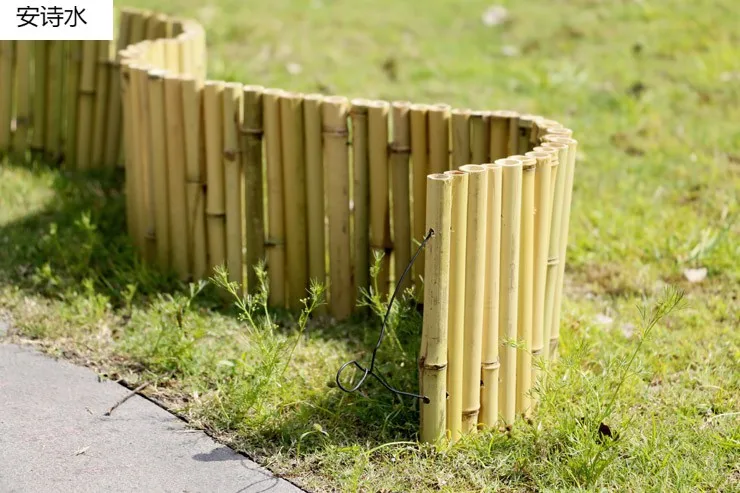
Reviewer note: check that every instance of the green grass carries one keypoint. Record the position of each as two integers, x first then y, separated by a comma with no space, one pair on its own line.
652,90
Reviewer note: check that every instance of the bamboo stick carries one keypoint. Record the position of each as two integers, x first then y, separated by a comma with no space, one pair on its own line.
490,363
456,313
215,196
114,121
159,167
546,163
6,93
380,228
509,285
513,147
103,73
192,108
134,192
433,354
526,286
177,176
23,50
420,168
553,255
146,182
137,26
233,118
86,102
40,107
275,241
480,137
127,117
541,128
400,181
460,129
172,54
253,180
563,246
525,128
336,165
500,134
558,131
295,202
361,192
475,270
439,138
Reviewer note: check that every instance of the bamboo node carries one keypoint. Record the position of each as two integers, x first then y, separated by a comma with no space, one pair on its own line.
491,366
553,261
252,131
270,243
536,352
434,367
86,92
335,132
400,149
470,413
231,154
22,121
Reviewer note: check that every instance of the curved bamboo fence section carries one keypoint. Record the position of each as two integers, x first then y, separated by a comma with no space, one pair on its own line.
221,173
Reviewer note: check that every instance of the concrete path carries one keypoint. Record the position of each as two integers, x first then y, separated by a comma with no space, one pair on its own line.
54,437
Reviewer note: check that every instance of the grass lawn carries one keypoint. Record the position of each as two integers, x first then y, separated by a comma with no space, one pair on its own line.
652,90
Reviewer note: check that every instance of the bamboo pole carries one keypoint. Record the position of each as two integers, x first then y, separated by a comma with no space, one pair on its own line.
361,192
460,129
546,164
475,270
134,192
40,107
23,99
192,108
127,117
420,168
215,196
563,246
541,127
114,121
380,228
433,354
513,147
439,138
86,103
253,180
336,165
400,182
6,93
160,171
526,286
553,256
500,134
525,128
480,137
559,131
275,240
172,54
509,285
294,180
73,67
103,69
177,176
145,172
233,118
490,363
456,314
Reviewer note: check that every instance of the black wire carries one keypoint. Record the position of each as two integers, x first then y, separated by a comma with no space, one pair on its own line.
371,370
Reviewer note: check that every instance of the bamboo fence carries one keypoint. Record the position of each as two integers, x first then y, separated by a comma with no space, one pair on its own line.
220,173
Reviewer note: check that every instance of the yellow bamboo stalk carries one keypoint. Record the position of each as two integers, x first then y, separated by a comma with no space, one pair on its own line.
275,240
525,127
40,107
172,55
513,147
526,286
6,93
215,195
192,108
103,73
490,363
509,285
146,183
400,181
420,168
134,193
86,102
500,125
563,246
176,179
433,354
558,131
137,26
553,253
546,164
475,276
380,228
253,180
460,129
480,137
439,138
54,98
336,165
23,50
112,147
294,180
127,122
361,192
233,117
456,313
160,172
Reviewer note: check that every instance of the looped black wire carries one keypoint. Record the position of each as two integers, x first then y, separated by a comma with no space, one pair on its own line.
371,371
